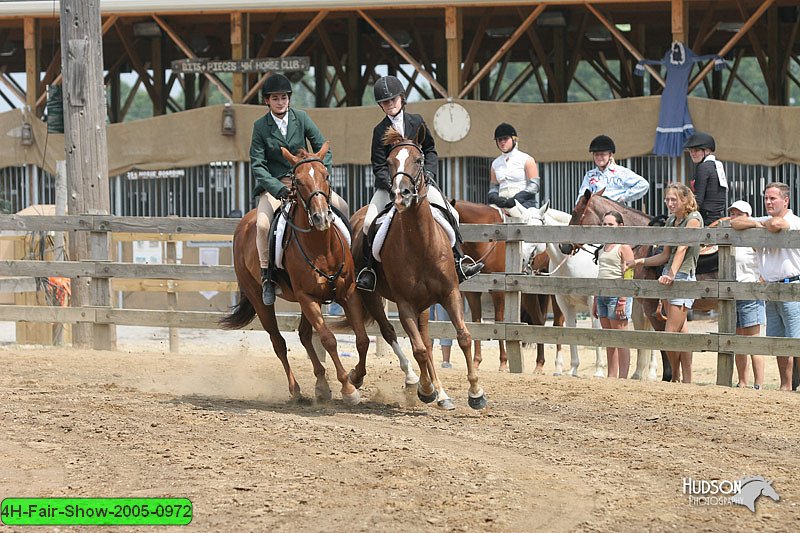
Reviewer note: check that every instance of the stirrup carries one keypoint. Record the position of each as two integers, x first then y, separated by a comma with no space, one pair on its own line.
363,280
470,266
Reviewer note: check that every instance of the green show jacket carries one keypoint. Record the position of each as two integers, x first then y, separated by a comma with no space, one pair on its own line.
266,160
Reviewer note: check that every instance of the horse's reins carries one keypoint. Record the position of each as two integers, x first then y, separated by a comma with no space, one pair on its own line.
330,278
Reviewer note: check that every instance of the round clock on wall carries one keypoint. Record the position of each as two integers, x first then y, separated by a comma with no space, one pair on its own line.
451,122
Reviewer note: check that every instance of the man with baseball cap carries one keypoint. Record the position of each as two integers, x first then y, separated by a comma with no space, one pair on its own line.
750,314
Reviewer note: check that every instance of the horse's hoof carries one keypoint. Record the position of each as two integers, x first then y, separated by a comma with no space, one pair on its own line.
300,400
411,379
427,398
636,375
477,403
446,404
599,375
352,381
323,394
351,399
558,374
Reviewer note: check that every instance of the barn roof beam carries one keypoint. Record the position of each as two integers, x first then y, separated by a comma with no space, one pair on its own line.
405,55
310,27
552,79
191,55
621,38
9,83
327,44
503,49
517,83
136,62
732,42
477,40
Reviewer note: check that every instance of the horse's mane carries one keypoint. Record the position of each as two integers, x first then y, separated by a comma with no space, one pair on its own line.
392,136
562,217
303,153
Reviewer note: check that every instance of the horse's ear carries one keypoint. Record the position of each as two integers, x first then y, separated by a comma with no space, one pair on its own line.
601,191
323,151
545,207
587,194
287,155
453,202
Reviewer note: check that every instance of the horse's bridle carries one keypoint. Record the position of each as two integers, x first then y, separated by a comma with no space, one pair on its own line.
330,278
415,180
306,201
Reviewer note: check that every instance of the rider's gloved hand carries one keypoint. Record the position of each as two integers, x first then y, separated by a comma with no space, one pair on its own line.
510,203
283,194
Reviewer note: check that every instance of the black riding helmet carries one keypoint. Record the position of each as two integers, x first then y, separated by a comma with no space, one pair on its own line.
602,143
277,83
700,140
504,130
387,87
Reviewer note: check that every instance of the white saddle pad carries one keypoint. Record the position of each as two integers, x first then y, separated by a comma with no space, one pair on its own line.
385,220
280,230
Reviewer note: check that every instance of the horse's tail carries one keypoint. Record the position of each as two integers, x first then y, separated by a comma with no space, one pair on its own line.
241,314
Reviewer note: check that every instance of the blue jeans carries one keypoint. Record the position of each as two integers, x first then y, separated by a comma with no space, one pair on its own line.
783,319
750,313
607,307
438,313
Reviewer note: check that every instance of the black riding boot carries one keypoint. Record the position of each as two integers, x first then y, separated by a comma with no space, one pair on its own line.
267,287
366,278
465,269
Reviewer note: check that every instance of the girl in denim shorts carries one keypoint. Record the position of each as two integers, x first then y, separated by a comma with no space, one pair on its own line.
679,263
614,311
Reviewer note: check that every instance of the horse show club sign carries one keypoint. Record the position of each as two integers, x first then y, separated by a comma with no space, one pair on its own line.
263,64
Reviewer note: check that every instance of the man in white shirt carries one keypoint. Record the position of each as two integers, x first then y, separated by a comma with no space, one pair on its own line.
778,265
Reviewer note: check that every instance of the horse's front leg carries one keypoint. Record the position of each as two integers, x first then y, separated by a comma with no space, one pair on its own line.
409,319
313,313
443,401
322,390
476,311
646,364
266,315
354,312
453,305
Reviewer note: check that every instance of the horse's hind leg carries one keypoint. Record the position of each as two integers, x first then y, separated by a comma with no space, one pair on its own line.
476,311
499,302
410,319
646,364
322,390
374,305
267,318
313,314
443,400
453,305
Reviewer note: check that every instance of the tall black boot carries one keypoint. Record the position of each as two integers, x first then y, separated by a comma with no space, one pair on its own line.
267,287
466,267
367,278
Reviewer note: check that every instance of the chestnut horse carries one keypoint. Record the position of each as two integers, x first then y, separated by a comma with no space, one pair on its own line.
493,254
416,271
318,269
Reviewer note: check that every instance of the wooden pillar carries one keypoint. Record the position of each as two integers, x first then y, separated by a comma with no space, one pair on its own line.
778,85
513,299
680,21
320,79
727,310
172,298
453,35
354,97
237,52
160,102
115,97
87,157
189,92
31,62
560,65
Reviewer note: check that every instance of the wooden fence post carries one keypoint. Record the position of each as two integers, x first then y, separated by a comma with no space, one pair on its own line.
727,311
513,299
172,298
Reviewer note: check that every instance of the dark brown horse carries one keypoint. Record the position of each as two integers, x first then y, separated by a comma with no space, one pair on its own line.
493,254
318,268
417,271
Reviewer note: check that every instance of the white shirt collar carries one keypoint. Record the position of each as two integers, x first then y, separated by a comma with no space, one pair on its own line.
398,122
282,123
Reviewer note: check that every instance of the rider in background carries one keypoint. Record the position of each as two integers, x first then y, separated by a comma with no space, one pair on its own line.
620,184
514,176
290,129
680,263
391,97
710,185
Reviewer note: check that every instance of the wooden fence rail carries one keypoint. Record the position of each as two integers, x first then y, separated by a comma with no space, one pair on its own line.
513,283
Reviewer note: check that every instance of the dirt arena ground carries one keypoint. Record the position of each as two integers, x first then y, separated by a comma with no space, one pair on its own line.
549,454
